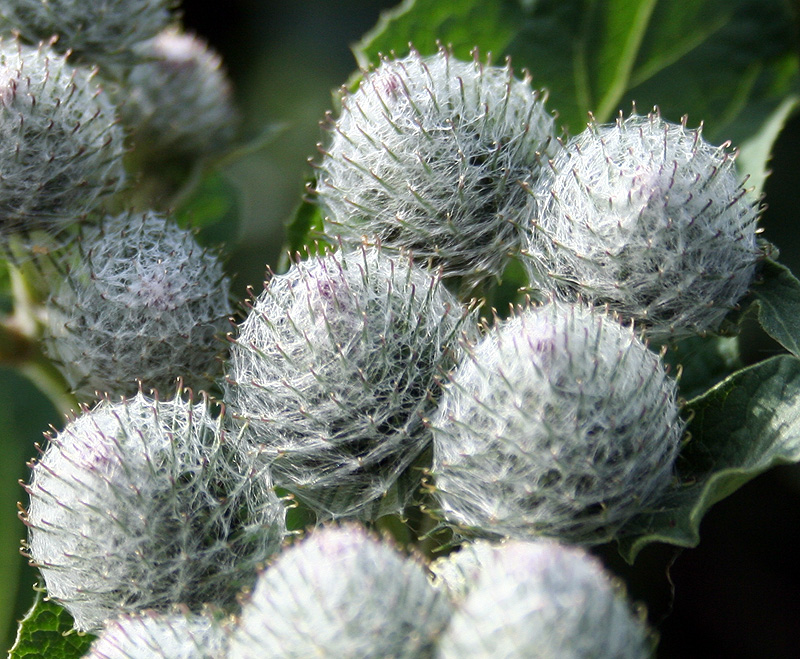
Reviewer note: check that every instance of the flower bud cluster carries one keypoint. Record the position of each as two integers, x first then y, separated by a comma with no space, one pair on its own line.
177,100
537,599
140,301
143,504
648,218
341,593
431,155
60,145
559,422
334,370
98,32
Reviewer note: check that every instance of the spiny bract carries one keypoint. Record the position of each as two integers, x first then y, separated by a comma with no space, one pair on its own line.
543,600
142,504
60,146
99,32
140,300
559,422
178,101
334,370
152,635
341,593
648,218
431,154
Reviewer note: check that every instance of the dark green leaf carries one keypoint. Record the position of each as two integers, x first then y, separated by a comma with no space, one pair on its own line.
464,24
739,429
731,64
46,633
776,298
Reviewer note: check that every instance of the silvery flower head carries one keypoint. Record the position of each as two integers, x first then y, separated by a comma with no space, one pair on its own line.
648,218
102,32
143,504
559,422
333,372
544,600
432,155
341,593
151,635
140,301
60,145
177,101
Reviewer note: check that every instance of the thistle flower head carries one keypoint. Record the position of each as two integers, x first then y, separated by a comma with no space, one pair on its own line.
161,636
60,146
334,369
98,32
143,504
341,593
141,300
560,422
544,600
178,101
648,218
431,154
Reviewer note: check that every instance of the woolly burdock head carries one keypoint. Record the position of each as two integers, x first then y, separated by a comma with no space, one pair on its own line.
140,300
151,635
648,218
333,371
60,146
99,32
341,593
431,154
142,504
559,422
178,101
543,600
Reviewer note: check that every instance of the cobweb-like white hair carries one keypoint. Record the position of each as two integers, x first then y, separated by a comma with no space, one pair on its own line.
341,593
540,599
143,504
648,218
141,300
559,422
151,635
333,372
431,154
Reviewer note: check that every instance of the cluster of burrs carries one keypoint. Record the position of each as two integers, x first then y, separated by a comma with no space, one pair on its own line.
342,593
358,372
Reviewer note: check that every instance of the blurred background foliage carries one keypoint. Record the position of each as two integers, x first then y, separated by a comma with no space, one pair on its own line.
737,595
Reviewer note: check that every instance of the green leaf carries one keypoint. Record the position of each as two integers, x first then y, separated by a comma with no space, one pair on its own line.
776,298
739,429
756,151
213,209
728,63
464,24
46,633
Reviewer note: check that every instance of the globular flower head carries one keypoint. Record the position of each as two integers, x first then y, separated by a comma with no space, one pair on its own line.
545,600
142,504
98,32
140,300
151,635
559,422
341,593
334,370
60,145
648,218
178,102
431,154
